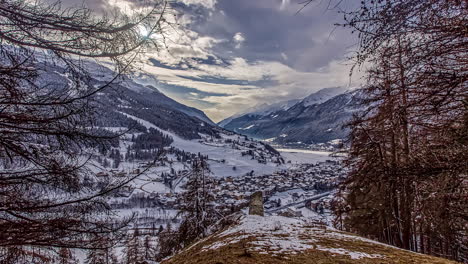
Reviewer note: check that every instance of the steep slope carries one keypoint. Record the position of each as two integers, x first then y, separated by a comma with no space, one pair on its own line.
262,110
141,86
150,122
155,107
276,239
125,95
322,95
316,119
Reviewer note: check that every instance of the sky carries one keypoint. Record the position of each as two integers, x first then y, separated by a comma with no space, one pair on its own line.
225,56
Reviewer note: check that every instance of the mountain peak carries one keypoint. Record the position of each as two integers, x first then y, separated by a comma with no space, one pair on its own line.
318,118
323,95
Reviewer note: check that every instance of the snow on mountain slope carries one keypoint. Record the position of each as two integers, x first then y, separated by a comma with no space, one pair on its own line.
276,239
318,118
222,157
323,95
150,82
262,110
266,109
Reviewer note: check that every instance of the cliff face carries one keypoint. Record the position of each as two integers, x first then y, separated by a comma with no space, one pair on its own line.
275,239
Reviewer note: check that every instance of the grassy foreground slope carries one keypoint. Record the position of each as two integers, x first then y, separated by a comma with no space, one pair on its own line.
275,239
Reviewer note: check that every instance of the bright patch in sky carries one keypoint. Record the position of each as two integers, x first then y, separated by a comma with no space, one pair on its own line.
284,4
238,39
224,56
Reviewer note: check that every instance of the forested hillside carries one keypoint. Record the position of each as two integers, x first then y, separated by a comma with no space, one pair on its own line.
409,151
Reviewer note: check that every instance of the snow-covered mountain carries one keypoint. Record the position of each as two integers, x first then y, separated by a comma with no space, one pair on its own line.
322,96
150,122
317,118
262,110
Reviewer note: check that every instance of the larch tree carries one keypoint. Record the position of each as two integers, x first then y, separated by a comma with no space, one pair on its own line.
102,251
66,256
46,126
198,211
408,180
135,249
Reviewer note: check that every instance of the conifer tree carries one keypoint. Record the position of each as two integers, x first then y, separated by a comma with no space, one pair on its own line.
198,211
150,250
134,249
408,172
102,252
198,207
66,256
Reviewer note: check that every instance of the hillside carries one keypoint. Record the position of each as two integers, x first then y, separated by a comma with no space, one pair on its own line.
276,239
318,118
153,126
261,110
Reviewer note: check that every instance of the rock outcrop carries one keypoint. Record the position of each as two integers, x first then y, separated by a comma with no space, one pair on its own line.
256,204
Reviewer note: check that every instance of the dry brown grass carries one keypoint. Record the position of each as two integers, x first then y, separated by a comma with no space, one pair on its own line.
244,252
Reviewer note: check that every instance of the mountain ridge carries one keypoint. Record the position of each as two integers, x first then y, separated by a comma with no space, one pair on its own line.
318,118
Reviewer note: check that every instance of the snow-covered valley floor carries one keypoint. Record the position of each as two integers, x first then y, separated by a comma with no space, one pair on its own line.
300,156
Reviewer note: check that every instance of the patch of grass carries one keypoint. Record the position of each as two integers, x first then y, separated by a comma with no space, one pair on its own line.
245,251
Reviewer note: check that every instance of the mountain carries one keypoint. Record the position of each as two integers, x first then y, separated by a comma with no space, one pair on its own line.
262,110
149,121
147,80
126,96
151,105
276,239
143,89
322,96
317,118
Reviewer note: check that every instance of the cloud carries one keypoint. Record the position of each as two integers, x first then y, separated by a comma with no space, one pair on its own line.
223,56
210,4
222,90
284,56
288,84
238,39
287,56
285,4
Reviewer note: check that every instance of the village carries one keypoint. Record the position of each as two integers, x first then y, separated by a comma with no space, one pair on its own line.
297,186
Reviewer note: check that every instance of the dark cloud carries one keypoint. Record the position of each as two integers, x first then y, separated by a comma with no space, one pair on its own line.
309,38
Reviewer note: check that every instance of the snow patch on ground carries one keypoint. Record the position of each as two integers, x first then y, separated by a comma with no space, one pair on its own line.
351,254
232,157
275,233
280,235
301,156
247,128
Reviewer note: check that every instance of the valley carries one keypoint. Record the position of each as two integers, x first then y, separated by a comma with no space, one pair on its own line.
285,177
222,132
295,182
155,146
158,144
